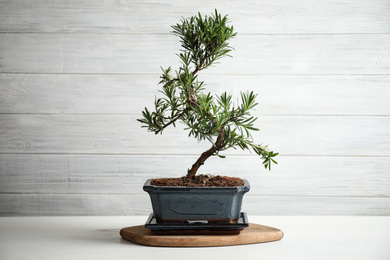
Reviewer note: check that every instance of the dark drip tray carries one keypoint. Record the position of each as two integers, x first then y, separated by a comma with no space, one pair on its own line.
195,227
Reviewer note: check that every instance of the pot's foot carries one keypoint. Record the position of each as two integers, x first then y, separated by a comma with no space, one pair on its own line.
195,226
197,232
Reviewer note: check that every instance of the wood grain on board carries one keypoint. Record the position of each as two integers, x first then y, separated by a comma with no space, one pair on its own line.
129,94
144,54
48,204
121,134
149,17
253,234
125,174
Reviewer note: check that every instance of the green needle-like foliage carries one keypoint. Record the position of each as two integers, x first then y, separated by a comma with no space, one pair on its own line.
204,41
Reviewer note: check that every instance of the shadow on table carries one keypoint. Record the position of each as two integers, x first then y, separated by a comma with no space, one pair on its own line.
108,236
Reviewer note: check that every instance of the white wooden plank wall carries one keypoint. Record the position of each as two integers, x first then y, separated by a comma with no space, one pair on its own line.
75,75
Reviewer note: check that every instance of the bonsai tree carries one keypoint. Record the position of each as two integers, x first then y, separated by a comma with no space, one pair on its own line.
225,125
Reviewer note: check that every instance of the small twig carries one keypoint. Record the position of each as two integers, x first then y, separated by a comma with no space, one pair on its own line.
171,122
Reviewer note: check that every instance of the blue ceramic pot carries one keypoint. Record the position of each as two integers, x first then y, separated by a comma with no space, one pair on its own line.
182,204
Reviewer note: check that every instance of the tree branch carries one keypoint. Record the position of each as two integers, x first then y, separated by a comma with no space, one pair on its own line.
171,122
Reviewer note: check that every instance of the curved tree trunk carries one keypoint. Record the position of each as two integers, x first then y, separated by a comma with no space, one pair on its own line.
205,155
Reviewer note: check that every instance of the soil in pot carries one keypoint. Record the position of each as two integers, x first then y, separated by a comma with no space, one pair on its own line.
200,181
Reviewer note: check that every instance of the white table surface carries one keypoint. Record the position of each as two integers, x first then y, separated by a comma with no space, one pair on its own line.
306,237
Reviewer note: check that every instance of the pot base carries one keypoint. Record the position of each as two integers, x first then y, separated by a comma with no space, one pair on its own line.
207,221
198,225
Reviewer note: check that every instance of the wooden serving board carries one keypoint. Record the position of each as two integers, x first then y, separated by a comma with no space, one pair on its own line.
251,235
